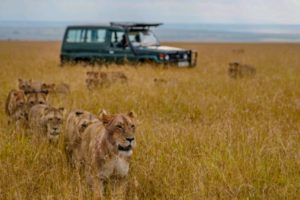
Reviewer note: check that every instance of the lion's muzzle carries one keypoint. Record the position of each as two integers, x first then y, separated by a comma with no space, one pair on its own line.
127,148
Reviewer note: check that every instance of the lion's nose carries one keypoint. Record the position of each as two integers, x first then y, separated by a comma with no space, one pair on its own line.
130,139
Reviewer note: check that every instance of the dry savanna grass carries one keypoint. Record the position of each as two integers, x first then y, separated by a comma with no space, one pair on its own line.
200,135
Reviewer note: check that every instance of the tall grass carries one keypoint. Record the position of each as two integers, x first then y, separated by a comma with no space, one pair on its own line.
200,135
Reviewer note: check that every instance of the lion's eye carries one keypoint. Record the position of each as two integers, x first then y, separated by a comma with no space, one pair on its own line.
119,126
133,126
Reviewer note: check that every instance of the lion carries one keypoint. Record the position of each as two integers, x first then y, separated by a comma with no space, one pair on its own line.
92,80
92,75
104,79
29,86
34,98
108,78
46,120
15,108
62,88
14,100
106,148
77,121
237,70
20,118
160,80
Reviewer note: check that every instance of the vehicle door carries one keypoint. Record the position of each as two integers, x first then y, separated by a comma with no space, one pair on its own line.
95,46
119,46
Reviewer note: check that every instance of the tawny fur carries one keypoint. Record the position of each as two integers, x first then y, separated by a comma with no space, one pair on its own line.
106,150
14,100
237,70
46,120
29,86
61,88
104,79
76,123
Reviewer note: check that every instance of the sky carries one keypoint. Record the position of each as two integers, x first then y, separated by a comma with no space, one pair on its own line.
167,11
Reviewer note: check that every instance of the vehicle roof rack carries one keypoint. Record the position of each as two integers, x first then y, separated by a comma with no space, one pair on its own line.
135,25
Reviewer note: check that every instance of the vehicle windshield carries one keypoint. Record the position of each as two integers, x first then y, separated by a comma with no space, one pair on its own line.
142,38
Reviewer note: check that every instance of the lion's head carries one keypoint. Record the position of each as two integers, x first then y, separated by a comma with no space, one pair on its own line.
121,131
20,114
45,88
19,97
84,119
25,85
92,75
53,120
35,98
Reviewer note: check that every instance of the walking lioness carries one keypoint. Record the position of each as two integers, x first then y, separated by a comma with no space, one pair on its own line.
46,120
77,121
238,70
106,150
14,101
15,108
29,86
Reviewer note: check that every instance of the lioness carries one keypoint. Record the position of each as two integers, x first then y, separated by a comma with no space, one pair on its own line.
102,79
14,100
20,118
237,70
46,120
108,78
106,150
29,86
34,98
77,122
92,80
53,88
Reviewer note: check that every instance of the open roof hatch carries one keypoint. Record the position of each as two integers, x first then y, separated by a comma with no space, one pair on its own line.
135,25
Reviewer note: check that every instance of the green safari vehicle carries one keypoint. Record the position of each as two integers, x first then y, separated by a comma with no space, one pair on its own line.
119,42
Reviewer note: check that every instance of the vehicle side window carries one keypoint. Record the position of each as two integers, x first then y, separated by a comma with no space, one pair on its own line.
118,39
76,35
95,35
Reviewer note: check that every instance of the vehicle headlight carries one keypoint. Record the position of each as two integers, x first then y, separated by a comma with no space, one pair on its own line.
185,56
167,57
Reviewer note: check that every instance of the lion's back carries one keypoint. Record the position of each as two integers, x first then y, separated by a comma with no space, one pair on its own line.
36,114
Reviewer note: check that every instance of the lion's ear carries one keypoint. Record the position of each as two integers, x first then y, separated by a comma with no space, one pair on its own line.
14,92
131,114
104,117
45,92
44,86
78,113
20,81
62,110
46,109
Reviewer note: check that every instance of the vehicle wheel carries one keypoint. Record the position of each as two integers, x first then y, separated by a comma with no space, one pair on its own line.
63,62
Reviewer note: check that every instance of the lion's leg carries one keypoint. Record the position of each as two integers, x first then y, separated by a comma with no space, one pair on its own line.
98,188
18,126
120,188
135,188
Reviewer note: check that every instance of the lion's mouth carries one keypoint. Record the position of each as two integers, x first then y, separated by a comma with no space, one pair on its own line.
121,148
54,133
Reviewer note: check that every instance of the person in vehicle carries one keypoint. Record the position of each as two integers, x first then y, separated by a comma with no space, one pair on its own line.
124,42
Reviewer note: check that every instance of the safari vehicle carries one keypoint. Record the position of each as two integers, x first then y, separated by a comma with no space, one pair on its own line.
119,42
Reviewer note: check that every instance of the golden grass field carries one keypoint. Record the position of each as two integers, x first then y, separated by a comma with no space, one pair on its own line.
200,135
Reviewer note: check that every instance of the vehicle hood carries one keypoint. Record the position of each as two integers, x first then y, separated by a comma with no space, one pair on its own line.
162,49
